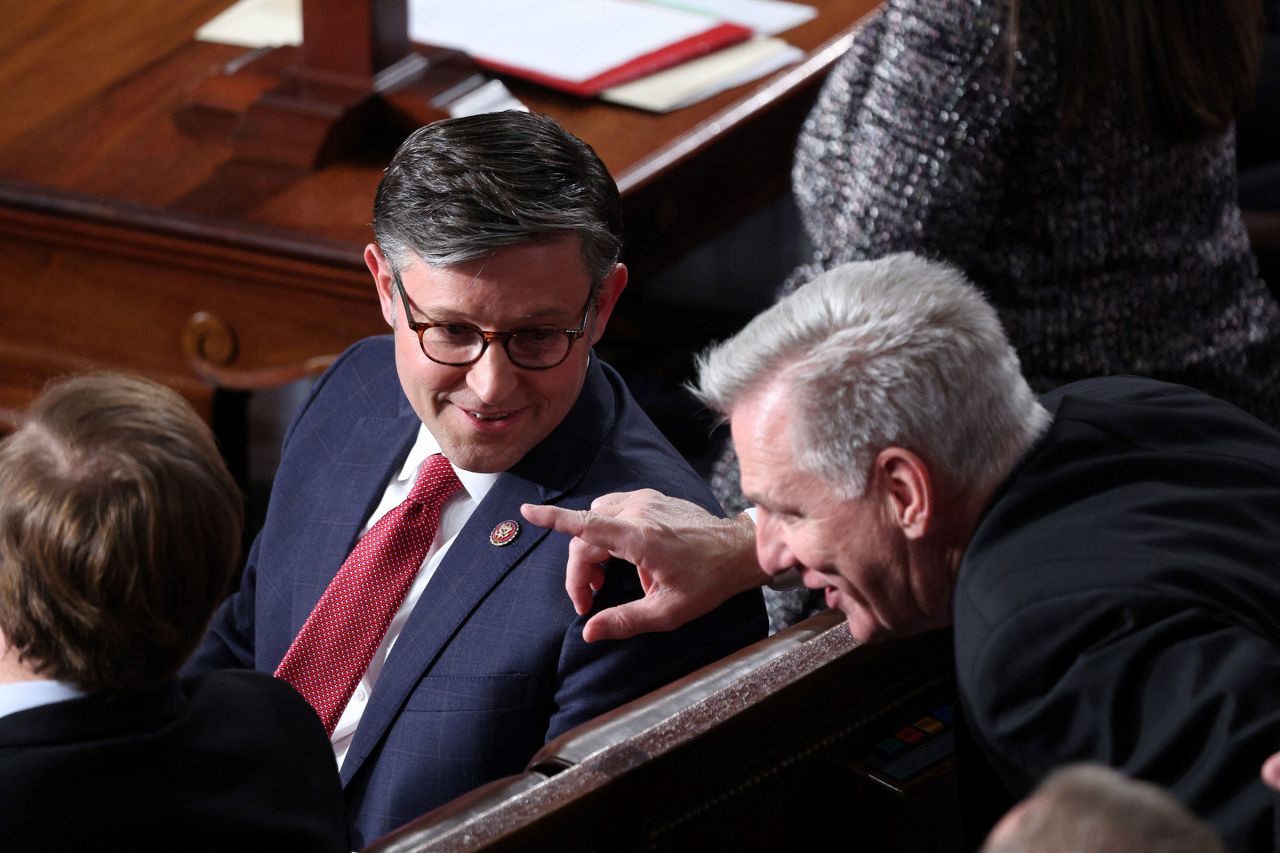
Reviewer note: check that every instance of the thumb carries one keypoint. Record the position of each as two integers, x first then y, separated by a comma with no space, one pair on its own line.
1271,771
627,620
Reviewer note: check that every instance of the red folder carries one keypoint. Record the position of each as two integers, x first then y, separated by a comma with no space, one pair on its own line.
718,36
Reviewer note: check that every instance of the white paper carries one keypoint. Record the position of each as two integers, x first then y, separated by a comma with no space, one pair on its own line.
492,97
256,23
572,40
698,80
766,17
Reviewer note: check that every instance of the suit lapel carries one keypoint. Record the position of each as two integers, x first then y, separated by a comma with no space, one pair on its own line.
348,491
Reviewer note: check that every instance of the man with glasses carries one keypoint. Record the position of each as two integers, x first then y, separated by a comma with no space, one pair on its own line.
394,583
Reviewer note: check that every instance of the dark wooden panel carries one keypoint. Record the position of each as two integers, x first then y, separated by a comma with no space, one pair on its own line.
80,293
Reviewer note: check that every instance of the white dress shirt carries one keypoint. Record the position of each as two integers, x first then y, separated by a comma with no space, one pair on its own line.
452,518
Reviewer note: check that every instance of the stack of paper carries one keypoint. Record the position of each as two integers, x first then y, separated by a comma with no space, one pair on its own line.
587,47
700,79
764,17
579,46
256,23
591,47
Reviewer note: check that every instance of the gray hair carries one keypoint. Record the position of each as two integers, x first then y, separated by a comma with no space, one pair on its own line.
460,189
899,351
1091,807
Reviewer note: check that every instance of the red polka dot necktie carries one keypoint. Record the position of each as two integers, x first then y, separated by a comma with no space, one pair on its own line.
336,643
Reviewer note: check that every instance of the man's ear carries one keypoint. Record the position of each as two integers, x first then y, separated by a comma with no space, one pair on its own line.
383,281
907,490
612,288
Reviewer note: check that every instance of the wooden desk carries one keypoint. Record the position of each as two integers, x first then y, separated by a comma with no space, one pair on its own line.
754,752
127,243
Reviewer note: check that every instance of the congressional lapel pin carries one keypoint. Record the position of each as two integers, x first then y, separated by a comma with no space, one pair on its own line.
504,533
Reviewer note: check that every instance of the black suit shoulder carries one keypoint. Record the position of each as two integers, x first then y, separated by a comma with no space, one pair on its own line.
214,762
1134,482
1117,601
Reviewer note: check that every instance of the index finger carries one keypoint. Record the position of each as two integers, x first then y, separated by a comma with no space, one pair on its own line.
602,531
583,572
554,517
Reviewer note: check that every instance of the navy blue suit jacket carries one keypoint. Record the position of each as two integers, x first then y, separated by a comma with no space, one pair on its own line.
491,662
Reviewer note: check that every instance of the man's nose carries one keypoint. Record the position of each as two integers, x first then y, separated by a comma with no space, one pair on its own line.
493,377
771,546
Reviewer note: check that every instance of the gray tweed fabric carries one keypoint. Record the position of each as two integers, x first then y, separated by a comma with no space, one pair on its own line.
1106,248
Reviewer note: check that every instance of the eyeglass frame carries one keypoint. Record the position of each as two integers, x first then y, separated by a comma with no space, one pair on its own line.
486,337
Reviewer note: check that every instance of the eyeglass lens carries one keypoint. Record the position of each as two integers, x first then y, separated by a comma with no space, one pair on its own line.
527,348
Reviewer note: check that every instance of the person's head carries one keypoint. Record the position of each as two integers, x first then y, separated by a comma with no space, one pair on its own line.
1087,807
874,410
119,532
501,222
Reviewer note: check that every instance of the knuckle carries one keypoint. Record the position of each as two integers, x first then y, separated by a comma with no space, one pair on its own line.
622,623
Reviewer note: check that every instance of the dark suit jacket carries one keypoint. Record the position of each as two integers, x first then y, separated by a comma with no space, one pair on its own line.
1119,601
491,662
225,761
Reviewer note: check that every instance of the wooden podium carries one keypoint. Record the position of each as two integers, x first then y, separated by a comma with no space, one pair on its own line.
301,108
197,248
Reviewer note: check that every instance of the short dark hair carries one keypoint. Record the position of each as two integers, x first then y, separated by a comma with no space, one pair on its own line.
119,532
461,188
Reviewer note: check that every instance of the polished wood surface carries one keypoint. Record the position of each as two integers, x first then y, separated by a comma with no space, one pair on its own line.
760,751
130,241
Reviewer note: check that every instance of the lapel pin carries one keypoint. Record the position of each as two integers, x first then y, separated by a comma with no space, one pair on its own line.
504,533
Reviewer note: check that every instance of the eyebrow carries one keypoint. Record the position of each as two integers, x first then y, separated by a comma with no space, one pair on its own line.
545,316
783,508
447,314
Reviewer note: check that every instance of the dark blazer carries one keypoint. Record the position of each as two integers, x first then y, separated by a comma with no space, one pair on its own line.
491,662
1120,601
225,761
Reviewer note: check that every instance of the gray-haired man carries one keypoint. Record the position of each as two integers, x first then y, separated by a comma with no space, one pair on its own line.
439,649
1107,555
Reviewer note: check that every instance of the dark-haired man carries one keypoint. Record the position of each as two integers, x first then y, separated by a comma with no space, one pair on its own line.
393,583
119,527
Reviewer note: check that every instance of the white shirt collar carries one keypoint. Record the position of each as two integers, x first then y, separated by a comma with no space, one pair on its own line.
477,485
21,695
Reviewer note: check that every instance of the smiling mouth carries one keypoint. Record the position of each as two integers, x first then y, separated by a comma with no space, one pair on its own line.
493,419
